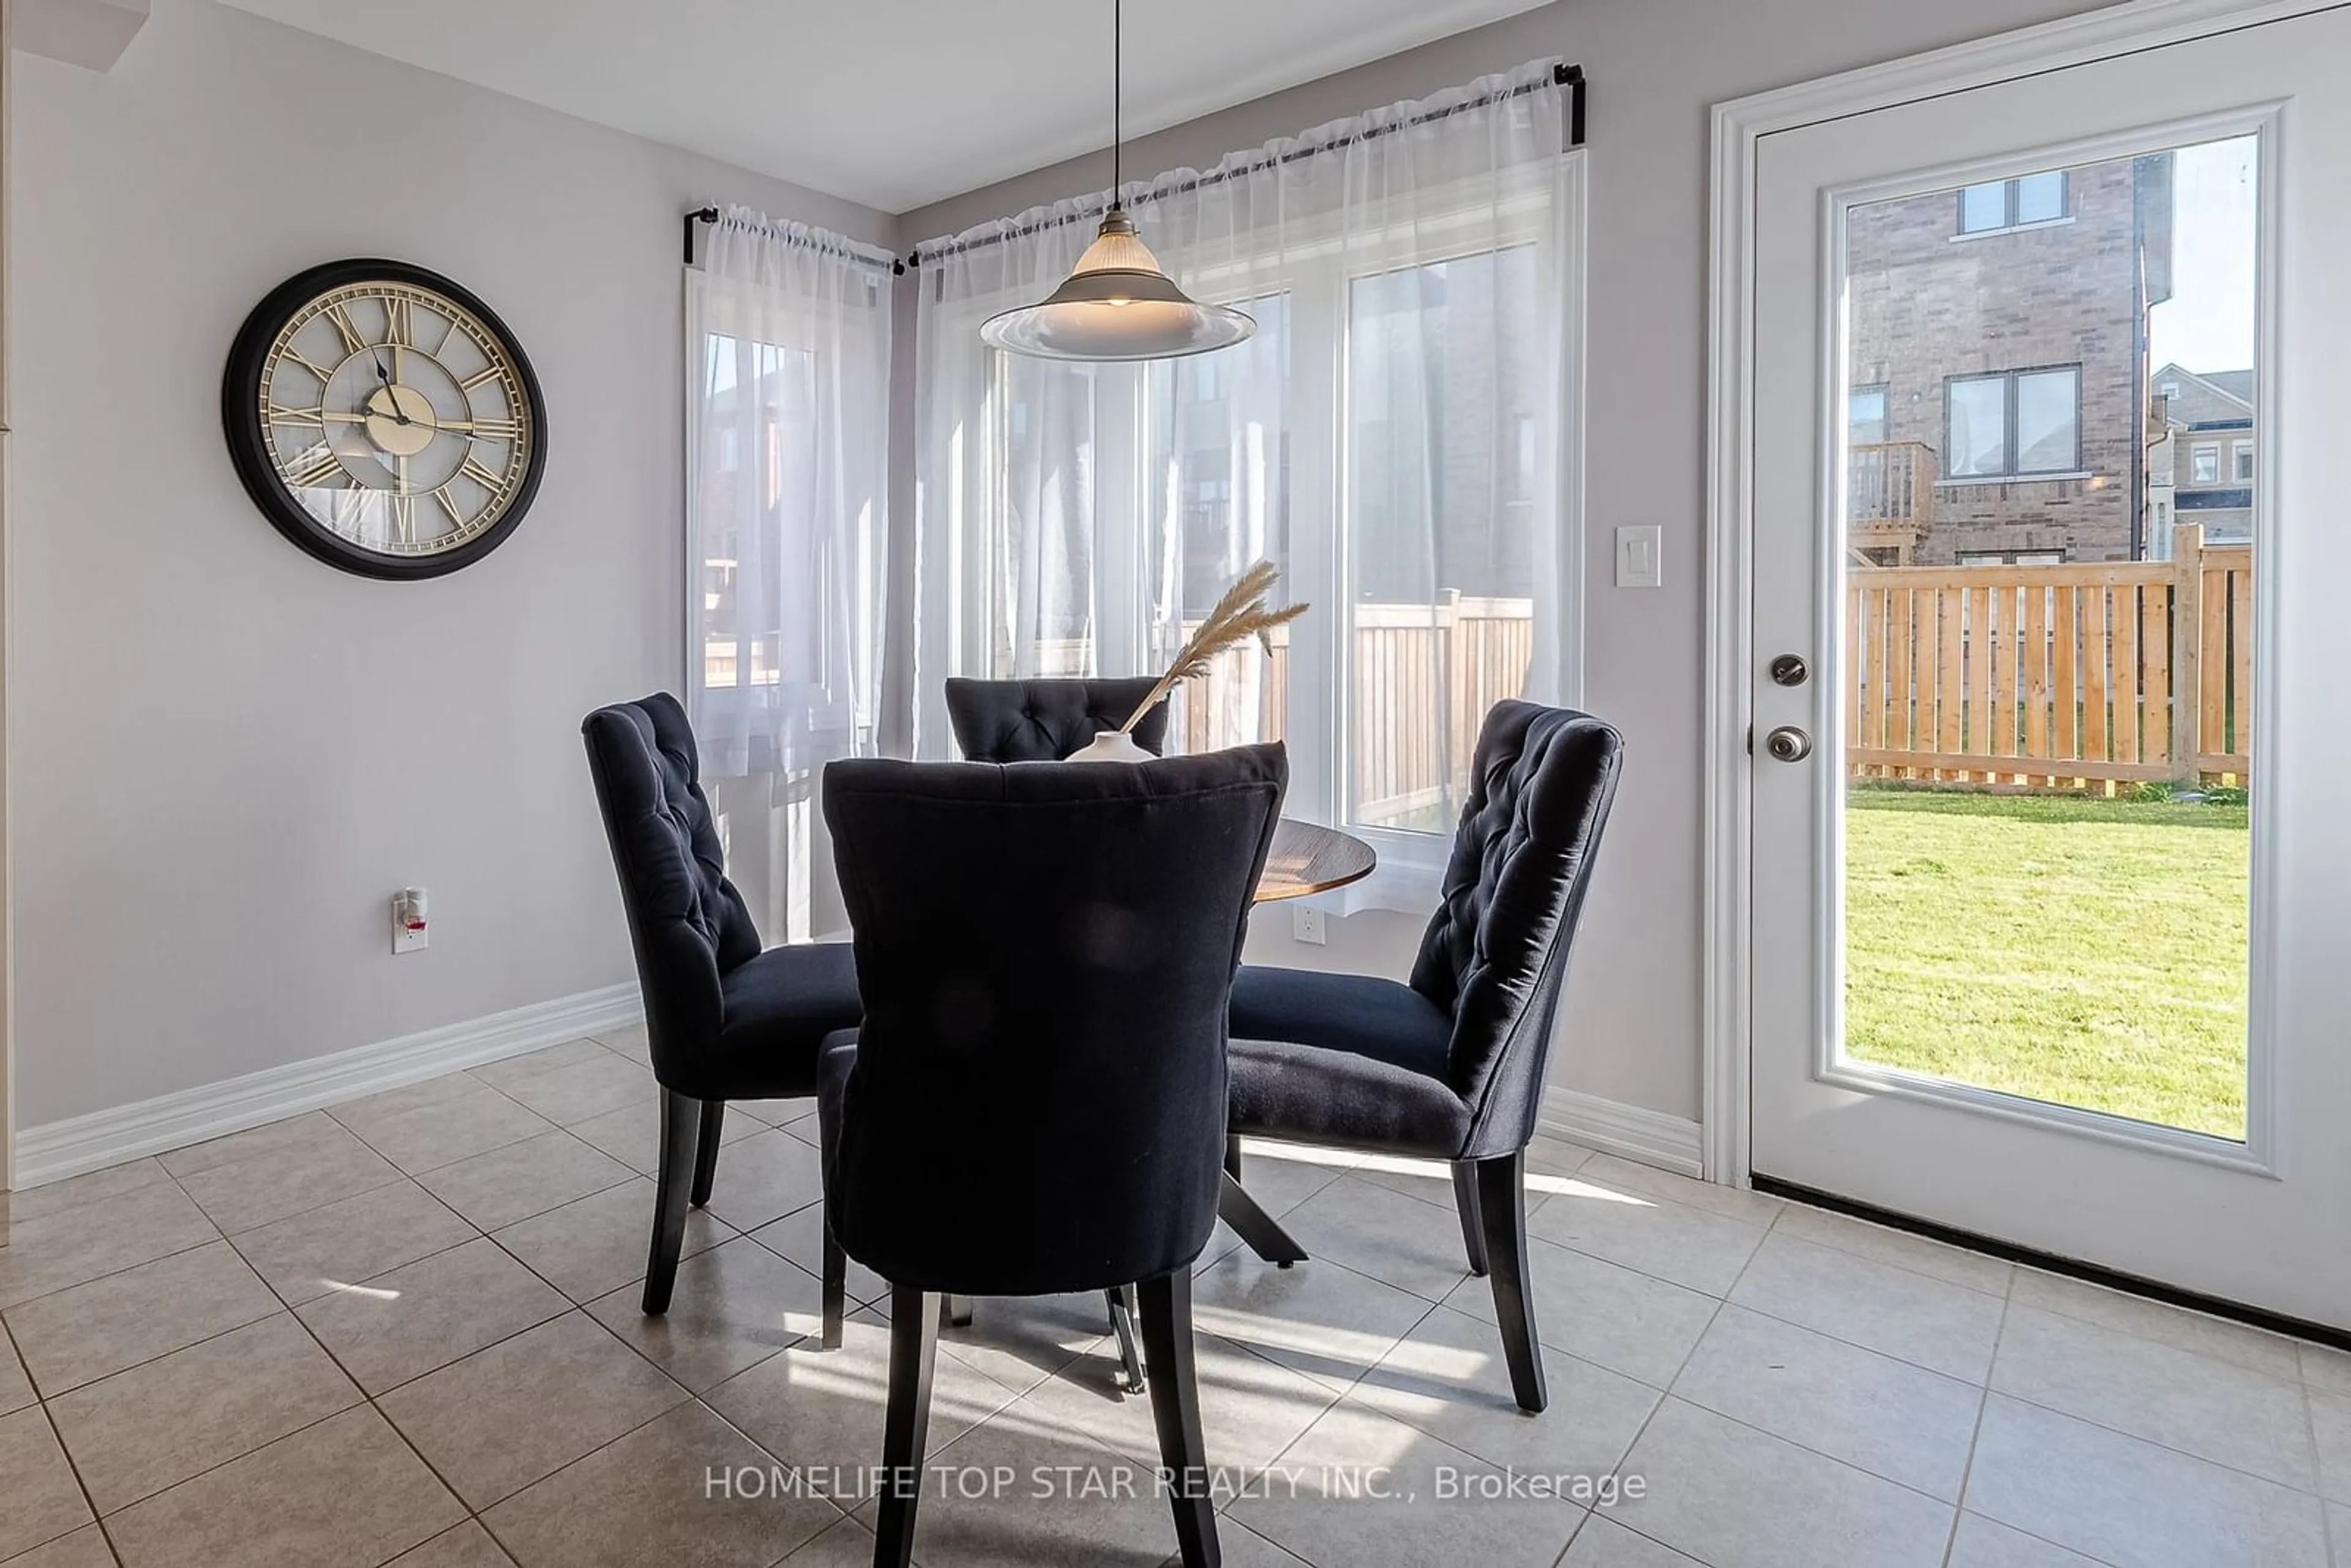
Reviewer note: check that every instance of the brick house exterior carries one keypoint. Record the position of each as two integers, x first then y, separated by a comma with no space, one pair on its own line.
1943,296
2200,457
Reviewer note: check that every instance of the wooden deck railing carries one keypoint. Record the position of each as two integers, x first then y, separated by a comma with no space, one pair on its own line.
1453,659
1890,494
2056,677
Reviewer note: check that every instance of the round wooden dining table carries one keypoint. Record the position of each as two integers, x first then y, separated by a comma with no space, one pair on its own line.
1307,858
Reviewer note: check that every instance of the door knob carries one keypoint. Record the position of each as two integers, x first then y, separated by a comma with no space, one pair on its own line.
1789,670
1789,744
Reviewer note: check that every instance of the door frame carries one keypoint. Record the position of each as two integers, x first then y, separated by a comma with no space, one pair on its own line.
1739,127
7,581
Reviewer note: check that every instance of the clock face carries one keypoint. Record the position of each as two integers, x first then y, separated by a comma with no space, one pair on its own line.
384,419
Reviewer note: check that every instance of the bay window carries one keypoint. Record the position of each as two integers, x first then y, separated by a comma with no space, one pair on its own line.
1399,437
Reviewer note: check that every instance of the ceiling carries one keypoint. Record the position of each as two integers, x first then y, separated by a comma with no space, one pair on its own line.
891,103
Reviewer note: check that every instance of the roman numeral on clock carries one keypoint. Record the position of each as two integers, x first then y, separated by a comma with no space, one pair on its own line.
495,483
353,341
318,468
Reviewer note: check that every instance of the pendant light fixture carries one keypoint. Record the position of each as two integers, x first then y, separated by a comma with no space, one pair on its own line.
1118,304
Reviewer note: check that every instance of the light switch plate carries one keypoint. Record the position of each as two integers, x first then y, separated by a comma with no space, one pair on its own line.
1639,545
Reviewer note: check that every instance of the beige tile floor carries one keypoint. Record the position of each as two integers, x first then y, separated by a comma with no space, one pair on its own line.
405,1331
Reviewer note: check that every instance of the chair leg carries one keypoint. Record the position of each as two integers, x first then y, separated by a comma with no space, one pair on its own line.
1254,1226
706,1150
1502,1205
680,1118
836,1288
1166,1313
1465,1200
957,1311
1233,1155
913,1350
1122,1323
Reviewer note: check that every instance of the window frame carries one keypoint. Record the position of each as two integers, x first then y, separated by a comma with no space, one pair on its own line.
2013,449
1319,280
2241,460
2197,453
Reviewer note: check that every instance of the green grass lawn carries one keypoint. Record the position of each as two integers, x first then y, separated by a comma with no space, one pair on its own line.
2090,952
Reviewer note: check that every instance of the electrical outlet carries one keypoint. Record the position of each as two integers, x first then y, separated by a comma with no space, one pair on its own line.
1306,925
408,926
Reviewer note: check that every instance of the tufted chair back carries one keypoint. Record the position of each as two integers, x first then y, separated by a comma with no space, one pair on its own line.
1045,721
1495,955
688,924
1037,1101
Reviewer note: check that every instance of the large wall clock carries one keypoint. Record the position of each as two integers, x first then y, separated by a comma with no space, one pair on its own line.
384,419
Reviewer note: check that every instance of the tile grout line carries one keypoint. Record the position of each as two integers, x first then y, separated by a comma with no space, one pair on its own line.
7,1340
1975,1436
2318,1471
1665,1394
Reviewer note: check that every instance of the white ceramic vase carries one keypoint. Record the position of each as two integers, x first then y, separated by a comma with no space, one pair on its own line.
1110,746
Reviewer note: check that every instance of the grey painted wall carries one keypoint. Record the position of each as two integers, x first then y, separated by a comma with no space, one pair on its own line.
225,756
1656,66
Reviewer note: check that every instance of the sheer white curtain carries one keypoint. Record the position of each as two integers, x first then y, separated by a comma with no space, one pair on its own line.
788,366
1393,436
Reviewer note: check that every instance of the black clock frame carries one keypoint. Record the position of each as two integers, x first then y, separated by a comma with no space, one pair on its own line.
248,440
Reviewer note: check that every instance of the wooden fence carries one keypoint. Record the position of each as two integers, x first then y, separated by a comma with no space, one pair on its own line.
1453,659
2054,676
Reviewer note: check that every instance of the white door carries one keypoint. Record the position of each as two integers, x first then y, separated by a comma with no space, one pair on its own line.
2052,921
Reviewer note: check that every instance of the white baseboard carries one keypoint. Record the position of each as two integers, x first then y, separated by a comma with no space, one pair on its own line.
79,1143
1635,1131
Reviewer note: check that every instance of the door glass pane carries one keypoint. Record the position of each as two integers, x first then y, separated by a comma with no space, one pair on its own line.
2048,677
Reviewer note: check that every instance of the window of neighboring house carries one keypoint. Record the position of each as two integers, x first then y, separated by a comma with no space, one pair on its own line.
1865,415
1999,204
2015,424
2169,390
2204,463
2241,456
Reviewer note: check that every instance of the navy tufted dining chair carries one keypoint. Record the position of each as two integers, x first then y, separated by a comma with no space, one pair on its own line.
1035,1102
1450,1065
1046,720
727,1020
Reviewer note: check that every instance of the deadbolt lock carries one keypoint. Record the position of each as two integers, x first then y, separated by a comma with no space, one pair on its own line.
1789,670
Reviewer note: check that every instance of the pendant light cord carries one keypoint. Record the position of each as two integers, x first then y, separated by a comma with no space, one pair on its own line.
1117,97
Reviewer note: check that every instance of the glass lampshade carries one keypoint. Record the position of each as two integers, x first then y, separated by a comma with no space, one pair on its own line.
1116,305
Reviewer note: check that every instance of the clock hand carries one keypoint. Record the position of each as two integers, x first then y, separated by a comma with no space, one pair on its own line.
376,356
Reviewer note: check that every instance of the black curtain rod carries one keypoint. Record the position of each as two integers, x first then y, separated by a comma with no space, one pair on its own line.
711,216
1566,76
